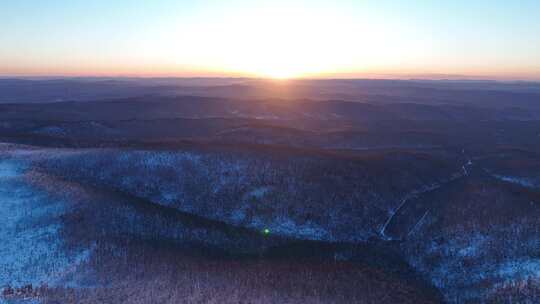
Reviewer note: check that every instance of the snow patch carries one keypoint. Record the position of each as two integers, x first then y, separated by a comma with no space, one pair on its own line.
31,250
287,227
521,269
516,180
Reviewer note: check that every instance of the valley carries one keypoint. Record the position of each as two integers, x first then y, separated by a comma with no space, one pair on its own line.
152,198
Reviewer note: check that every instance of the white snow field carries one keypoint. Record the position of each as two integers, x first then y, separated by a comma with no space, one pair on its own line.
31,247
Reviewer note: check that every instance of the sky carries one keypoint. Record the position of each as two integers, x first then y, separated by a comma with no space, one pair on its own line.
495,39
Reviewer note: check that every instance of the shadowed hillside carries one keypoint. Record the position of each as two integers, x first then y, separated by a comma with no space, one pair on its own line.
360,191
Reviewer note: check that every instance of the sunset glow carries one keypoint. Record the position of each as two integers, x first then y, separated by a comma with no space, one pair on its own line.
278,39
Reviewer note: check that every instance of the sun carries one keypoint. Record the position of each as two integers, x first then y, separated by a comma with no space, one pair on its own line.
272,63
281,59
276,43
279,73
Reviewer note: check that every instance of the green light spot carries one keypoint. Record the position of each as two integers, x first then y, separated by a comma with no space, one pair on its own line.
266,231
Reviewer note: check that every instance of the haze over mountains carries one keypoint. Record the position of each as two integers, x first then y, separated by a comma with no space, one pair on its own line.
248,190
50,89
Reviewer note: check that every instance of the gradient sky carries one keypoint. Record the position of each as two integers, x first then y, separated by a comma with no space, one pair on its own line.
490,39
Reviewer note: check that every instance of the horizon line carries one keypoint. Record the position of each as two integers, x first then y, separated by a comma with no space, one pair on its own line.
374,76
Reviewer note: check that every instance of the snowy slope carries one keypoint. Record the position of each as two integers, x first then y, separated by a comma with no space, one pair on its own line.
32,249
